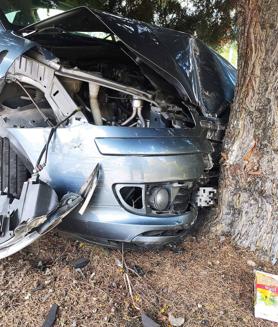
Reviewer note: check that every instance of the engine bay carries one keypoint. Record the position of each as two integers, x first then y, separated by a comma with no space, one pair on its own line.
98,76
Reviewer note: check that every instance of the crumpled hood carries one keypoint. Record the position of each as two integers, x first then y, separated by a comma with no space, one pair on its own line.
198,73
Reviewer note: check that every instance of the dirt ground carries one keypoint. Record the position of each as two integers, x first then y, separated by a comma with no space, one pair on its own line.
206,281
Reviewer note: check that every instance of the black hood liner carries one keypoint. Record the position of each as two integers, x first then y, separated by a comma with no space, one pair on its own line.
198,73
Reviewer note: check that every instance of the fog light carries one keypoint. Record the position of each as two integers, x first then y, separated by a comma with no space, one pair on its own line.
159,198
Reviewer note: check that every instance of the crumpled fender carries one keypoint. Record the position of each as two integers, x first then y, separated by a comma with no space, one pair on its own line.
11,47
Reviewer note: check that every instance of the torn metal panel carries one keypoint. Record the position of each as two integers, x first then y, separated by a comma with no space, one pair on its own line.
32,72
88,189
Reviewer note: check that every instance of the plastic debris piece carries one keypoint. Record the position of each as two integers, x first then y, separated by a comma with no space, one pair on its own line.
139,270
176,322
148,322
51,316
266,296
80,263
118,263
39,287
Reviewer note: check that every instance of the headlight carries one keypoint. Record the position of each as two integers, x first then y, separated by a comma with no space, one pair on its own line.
159,198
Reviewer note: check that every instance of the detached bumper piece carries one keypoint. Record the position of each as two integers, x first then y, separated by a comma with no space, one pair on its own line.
38,210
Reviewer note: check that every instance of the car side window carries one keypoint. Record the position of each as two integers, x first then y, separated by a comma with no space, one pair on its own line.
11,16
33,15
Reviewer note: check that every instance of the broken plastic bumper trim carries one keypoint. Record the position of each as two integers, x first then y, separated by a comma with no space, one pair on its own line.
21,241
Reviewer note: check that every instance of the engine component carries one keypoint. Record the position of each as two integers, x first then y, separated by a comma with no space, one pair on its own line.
137,106
71,85
93,93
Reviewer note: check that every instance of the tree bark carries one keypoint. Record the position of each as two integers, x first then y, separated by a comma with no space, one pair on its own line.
248,204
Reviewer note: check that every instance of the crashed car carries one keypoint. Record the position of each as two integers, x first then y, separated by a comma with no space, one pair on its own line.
109,127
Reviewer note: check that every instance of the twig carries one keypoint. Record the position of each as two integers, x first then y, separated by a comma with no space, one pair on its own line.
127,280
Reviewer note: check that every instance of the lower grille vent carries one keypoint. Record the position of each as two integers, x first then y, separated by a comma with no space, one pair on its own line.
12,171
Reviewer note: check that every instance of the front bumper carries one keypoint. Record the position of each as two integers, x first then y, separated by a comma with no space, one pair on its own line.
156,156
112,226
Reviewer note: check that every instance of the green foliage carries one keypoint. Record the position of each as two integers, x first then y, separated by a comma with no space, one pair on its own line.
230,52
213,21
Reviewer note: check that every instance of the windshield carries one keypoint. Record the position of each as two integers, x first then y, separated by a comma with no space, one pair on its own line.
23,13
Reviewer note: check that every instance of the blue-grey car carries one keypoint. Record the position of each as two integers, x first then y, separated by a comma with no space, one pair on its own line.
109,127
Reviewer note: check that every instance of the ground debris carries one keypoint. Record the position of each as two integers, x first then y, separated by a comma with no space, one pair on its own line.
171,283
51,316
176,321
147,321
251,263
205,322
138,270
38,287
80,263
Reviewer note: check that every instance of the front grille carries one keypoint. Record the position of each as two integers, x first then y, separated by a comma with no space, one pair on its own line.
132,196
181,200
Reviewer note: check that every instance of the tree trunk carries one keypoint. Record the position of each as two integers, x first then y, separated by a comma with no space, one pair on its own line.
248,204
